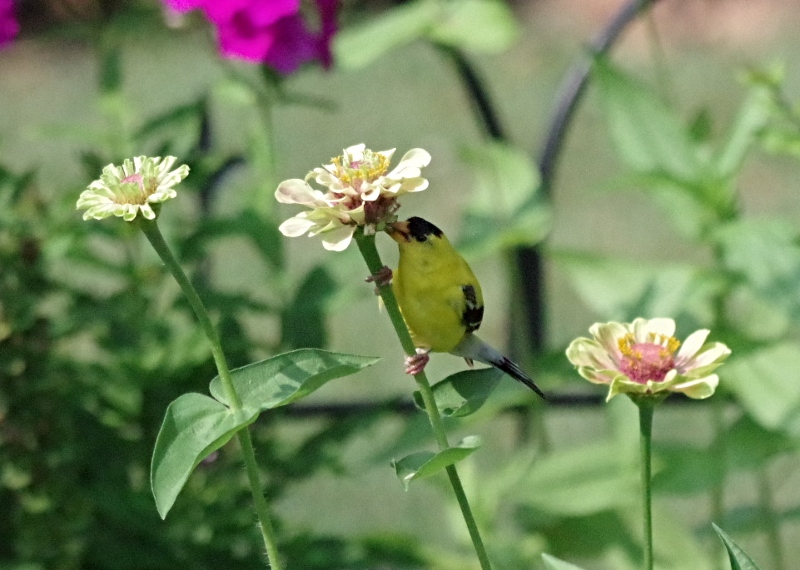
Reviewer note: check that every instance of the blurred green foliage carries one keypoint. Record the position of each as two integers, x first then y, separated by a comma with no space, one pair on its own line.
95,341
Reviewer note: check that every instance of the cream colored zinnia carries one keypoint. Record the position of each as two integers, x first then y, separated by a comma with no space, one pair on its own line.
132,188
644,358
359,190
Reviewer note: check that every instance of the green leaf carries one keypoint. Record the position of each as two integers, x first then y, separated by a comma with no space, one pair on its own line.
463,393
684,469
505,178
506,209
360,45
188,116
739,560
484,26
749,446
426,463
648,136
303,320
766,253
581,481
287,377
765,382
751,120
264,236
194,426
553,563
663,289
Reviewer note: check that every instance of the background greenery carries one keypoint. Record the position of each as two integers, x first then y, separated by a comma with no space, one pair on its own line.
675,196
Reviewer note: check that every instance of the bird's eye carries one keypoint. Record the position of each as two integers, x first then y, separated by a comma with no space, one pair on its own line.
422,238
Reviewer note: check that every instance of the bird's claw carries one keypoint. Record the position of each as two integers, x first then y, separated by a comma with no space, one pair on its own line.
382,278
416,364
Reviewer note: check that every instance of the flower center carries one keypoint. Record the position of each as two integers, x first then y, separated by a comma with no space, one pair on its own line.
650,360
133,190
371,166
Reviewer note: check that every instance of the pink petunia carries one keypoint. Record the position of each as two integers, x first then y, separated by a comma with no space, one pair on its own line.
272,32
9,27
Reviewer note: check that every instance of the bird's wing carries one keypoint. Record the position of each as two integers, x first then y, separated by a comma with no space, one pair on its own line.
472,312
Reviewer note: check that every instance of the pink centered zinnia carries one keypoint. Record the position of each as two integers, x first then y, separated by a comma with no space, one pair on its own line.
643,358
273,32
9,27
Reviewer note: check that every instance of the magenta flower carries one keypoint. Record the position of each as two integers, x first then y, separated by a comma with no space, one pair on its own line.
9,27
273,32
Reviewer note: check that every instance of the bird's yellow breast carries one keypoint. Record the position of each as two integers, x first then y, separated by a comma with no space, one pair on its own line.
429,286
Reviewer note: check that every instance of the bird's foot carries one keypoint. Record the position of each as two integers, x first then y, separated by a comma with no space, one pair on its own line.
382,278
416,364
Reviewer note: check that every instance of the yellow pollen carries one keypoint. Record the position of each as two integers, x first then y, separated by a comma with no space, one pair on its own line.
670,344
371,167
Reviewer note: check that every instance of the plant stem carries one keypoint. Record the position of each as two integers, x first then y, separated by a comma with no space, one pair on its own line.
366,245
646,408
156,239
771,519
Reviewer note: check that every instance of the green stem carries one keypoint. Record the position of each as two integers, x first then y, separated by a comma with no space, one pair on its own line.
770,519
366,245
718,490
262,510
646,408
156,239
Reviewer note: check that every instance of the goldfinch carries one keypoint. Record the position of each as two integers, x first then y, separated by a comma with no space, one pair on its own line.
441,300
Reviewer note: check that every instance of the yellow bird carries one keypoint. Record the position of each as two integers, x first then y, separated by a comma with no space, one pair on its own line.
441,300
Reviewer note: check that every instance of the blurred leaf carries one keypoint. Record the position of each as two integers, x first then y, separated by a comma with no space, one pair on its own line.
650,289
505,210
553,563
426,463
506,178
749,445
767,255
584,537
110,65
287,377
360,45
700,127
194,426
739,560
303,320
750,121
181,117
581,481
264,236
684,470
765,383
648,136
463,393
484,26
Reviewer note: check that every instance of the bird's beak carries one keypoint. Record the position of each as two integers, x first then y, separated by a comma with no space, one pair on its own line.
399,232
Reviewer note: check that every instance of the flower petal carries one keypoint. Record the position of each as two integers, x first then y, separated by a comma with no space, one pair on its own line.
699,388
339,239
296,226
692,344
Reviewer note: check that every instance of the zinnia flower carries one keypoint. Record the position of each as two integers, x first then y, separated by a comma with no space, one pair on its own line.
273,32
644,358
132,188
360,192
9,27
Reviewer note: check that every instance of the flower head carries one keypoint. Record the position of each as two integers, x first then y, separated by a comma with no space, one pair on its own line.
127,190
360,191
275,32
644,358
9,27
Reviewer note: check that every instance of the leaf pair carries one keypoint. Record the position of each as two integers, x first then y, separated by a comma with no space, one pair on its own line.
195,425
458,395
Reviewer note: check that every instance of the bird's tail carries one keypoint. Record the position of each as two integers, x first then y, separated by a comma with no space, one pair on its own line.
473,348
